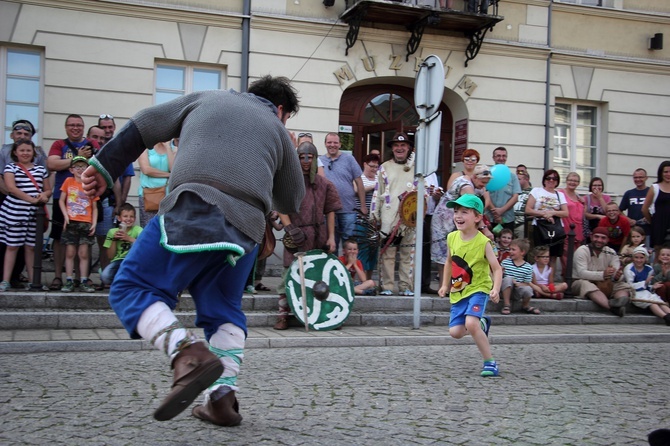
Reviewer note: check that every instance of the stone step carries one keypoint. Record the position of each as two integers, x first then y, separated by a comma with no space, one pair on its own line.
48,310
86,319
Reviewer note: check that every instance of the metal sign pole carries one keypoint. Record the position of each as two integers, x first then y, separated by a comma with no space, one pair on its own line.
418,251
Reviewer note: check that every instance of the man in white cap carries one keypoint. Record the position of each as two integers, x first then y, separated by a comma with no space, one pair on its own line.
395,180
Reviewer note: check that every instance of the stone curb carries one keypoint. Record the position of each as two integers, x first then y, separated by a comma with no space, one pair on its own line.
23,347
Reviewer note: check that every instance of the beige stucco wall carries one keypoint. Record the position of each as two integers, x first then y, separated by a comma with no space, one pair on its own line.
105,64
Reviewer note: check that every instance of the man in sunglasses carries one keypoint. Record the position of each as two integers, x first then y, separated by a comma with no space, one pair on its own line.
21,130
206,234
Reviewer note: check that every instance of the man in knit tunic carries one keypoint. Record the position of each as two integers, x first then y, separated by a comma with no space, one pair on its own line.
313,226
395,178
205,237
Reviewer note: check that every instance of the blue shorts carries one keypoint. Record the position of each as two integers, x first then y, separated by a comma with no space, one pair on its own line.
150,273
473,305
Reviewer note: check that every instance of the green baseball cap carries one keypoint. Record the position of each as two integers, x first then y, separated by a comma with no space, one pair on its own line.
78,159
470,201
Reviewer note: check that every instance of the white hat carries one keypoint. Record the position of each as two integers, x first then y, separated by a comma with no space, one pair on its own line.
641,250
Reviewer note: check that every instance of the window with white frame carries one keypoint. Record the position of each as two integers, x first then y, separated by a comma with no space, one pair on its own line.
576,140
173,81
21,95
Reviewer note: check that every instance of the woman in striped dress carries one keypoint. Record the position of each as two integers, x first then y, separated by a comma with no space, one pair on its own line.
27,188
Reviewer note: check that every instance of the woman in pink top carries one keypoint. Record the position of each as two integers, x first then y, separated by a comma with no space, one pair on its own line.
576,207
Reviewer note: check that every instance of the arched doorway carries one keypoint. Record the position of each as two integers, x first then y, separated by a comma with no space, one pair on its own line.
375,112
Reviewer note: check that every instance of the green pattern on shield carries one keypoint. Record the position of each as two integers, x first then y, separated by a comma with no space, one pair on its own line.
332,312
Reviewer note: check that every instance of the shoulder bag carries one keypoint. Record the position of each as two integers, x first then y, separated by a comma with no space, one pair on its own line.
39,190
153,197
551,233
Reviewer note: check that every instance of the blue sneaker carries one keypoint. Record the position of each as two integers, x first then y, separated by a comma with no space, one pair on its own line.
485,322
490,369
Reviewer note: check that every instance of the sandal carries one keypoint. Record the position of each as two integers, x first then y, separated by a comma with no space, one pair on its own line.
261,287
56,284
556,296
506,310
531,310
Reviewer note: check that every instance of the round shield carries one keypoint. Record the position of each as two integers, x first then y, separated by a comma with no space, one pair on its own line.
408,207
319,266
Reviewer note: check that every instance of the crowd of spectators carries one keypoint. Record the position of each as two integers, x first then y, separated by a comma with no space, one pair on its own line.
608,239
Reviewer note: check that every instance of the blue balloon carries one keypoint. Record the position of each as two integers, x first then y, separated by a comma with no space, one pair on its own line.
500,177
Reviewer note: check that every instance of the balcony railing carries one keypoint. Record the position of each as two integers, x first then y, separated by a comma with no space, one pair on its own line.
473,21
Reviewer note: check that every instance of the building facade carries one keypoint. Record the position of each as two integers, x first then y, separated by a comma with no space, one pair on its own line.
571,85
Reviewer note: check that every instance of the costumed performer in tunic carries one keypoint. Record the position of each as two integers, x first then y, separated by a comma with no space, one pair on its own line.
205,237
313,226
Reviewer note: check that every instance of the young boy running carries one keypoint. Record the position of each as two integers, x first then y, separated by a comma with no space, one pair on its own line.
467,278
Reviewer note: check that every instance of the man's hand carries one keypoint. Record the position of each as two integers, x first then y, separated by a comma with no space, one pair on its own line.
93,182
296,234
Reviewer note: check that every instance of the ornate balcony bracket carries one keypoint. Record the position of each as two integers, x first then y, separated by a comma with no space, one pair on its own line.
476,40
417,30
418,19
354,27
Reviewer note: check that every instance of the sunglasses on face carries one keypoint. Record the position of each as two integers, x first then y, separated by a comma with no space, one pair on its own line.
106,117
470,160
302,135
551,179
521,172
23,127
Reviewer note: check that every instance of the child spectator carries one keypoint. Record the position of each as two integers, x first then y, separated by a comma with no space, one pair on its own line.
506,236
467,275
80,218
543,277
362,286
660,284
27,188
617,226
119,241
635,238
639,275
517,277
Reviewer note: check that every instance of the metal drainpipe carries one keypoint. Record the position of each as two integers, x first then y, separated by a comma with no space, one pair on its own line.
246,30
547,112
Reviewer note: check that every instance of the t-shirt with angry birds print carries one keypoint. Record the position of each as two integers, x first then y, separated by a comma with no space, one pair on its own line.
470,270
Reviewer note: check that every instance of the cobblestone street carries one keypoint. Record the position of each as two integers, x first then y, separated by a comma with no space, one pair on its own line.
580,394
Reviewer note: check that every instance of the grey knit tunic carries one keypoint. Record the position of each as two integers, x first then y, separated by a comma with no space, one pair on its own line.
235,156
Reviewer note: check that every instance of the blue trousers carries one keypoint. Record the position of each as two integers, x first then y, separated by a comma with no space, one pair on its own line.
151,274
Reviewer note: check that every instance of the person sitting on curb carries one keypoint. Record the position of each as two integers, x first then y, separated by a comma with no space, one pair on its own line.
543,276
599,276
517,278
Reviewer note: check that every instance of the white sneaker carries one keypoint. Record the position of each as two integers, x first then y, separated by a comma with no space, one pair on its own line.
407,293
386,293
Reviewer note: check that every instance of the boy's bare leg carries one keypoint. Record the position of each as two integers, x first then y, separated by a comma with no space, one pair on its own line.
474,327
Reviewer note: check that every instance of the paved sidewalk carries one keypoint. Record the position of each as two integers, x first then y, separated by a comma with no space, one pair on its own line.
34,341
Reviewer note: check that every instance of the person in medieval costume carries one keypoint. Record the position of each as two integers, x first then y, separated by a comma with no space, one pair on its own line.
205,237
313,226
395,180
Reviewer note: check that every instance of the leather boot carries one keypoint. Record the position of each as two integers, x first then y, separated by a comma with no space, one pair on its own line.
282,323
224,412
195,369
